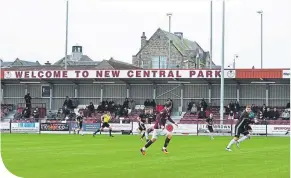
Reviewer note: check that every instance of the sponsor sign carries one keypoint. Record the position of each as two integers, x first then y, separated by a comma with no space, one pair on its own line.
119,127
218,128
24,127
54,127
4,126
91,127
82,74
277,129
286,74
259,129
185,129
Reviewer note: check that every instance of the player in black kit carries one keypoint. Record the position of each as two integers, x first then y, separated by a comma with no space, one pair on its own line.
141,126
79,120
240,127
248,129
209,121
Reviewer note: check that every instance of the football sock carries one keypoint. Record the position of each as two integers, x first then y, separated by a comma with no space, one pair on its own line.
143,134
81,132
110,132
96,131
242,139
231,143
167,141
148,144
146,135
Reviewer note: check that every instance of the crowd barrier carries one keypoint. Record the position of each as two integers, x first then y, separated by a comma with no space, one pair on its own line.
197,128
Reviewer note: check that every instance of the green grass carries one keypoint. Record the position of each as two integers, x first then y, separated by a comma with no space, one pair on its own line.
70,156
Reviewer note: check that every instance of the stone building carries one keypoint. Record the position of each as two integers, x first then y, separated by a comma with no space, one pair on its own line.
155,52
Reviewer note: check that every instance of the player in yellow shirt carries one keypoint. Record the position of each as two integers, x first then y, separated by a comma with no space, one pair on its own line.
105,119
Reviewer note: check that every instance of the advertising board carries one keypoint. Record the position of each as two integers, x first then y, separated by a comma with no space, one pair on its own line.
4,127
23,127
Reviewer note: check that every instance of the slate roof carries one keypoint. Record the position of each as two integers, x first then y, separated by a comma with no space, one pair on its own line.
18,63
85,60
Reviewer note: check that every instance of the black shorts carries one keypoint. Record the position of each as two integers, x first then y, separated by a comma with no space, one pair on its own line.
238,131
210,128
141,128
105,124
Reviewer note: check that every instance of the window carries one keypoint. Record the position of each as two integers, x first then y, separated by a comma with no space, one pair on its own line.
159,62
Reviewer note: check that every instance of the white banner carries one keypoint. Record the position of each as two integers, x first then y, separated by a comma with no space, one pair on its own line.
278,129
119,127
4,126
82,74
25,127
220,128
185,129
259,129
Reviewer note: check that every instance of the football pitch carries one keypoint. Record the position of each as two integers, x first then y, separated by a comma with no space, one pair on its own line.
70,156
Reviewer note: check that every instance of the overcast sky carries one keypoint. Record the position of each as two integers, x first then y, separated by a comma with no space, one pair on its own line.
35,29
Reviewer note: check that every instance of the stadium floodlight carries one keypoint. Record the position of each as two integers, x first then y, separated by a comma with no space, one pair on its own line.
262,82
100,82
177,82
29,82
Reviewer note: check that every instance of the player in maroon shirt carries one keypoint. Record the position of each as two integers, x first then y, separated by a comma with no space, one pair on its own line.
159,129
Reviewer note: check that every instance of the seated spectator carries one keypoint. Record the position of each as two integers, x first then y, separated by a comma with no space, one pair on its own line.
236,106
132,104
147,103
202,114
268,114
264,108
286,114
193,109
153,103
35,113
231,115
17,115
66,112
275,114
91,109
26,113
190,105
261,115
126,103
100,107
204,104
227,110
112,108
288,106
231,106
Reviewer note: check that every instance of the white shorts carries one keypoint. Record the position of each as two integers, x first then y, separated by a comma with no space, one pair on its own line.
159,132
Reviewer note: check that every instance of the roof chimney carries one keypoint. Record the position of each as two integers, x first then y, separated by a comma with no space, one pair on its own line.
143,40
47,63
179,34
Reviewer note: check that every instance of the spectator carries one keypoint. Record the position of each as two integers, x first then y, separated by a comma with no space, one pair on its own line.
100,108
288,106
231,115
68,103
275,114
286,114
264,108
112,107
268,113
35,113
204,104
66,111
261,115
26,113
147,103
193,109
190,105
231,106
153,103
202,114
126,103
91,109
27,99
131,104
236,106
227,110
